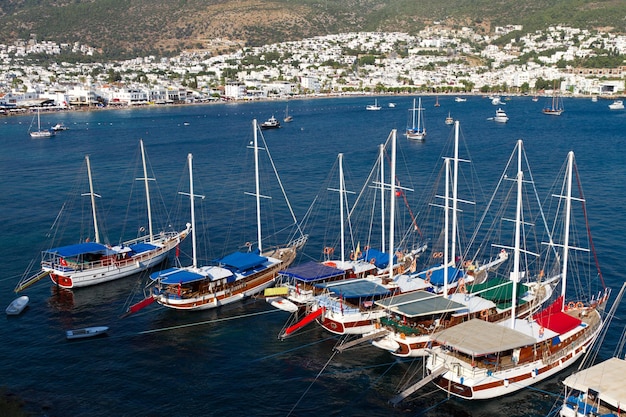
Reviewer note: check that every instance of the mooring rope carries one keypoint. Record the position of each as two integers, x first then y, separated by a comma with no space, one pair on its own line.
311,384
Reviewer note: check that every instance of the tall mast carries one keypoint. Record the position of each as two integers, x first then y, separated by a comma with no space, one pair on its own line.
146,179
568,210
257,185
392,209
382,195
446,227
419,114
515,276
93,201
341,209
193,211
455,192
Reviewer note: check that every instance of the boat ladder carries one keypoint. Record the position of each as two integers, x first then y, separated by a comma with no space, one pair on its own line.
365,338
419,384
27,282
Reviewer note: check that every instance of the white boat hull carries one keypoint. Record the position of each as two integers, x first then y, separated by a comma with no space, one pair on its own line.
479,383
100,272
241,288
17,306
282,303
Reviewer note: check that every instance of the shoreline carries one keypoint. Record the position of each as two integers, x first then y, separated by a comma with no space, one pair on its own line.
22,111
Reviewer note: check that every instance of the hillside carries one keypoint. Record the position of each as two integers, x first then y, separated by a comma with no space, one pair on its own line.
129,28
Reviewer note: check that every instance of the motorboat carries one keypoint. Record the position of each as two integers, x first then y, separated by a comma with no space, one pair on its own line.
501,116
617,105
271,123
59,127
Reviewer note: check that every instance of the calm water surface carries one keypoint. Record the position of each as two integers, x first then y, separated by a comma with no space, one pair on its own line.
229,361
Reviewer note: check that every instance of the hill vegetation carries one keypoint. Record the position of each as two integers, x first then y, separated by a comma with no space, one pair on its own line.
130,28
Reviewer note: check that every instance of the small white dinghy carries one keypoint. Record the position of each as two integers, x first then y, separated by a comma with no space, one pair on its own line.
86,332
17,306
283,304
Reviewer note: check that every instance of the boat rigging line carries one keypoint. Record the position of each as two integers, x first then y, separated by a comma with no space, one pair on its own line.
312,382
182,326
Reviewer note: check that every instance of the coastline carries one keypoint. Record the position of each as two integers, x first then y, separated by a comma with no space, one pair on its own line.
22,111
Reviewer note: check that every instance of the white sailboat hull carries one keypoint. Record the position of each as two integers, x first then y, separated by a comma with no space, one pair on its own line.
242,287
481,383
84,275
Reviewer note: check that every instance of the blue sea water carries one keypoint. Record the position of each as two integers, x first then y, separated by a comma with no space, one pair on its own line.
230,361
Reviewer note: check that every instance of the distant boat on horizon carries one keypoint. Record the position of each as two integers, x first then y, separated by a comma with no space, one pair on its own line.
555,108
36,134
374,106
288,118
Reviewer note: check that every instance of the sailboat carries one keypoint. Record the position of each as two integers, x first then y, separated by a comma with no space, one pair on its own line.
94,262
555,108
230,278
416,130
347,306
461,289
36,134
478,359
374,106
297,286
288,118
437,101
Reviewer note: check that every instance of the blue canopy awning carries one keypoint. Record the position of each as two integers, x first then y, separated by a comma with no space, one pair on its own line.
142,247
312,271
79,249
378,258
437,275
242,261
176,276
355,288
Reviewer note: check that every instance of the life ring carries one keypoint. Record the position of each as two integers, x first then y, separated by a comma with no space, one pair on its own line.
428,275
484,314
438,255
402,336
571,305
467,264
461,286
63,262
580,305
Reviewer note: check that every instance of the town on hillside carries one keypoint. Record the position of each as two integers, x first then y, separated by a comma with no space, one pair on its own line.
438,60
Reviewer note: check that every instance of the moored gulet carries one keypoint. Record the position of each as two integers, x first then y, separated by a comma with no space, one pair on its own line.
412,318
346,306
93,262
230,278
298,286
481,360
